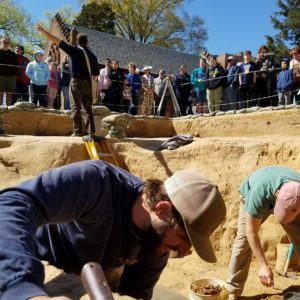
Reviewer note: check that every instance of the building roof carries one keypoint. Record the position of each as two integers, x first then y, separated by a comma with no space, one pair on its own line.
114,47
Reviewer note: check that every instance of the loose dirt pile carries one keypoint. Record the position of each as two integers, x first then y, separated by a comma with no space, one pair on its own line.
207,289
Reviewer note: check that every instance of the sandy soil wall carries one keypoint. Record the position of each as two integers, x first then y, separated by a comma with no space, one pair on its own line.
226,149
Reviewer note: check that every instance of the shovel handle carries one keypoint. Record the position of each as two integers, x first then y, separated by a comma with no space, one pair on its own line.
94,281
289,256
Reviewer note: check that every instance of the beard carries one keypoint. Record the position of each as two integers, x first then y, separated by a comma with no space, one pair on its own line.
153,238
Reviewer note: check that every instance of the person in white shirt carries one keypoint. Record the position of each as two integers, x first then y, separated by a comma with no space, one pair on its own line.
104,81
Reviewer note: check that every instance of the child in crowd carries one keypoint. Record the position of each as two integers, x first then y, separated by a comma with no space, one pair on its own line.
285,83
52,84
192,103
126,99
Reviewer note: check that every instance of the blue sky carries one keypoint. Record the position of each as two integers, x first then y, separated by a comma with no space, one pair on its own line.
233,25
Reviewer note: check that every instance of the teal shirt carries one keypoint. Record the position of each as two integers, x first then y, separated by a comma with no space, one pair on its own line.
259,189
197,74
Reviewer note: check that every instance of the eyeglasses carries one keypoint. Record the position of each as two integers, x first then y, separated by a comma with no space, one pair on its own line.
5,42
294,53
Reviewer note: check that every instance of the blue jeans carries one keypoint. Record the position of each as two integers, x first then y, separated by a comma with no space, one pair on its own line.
66,93
201,96
230,97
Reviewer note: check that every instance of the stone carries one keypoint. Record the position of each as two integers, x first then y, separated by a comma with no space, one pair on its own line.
14,108
116,124
230,112
101,110
26,104
252,109
279,107
269,108
241,111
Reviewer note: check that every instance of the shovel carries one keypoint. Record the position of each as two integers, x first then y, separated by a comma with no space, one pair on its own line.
287,263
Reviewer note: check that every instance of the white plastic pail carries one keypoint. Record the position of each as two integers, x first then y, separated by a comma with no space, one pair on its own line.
212,281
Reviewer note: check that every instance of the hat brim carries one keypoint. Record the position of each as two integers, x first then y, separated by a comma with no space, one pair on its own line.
147,68
200,231
201,244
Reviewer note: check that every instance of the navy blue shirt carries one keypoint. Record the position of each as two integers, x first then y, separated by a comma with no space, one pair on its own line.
247,73
69,216
182,86
79,67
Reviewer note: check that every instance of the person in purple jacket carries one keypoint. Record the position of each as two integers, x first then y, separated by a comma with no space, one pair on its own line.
94,211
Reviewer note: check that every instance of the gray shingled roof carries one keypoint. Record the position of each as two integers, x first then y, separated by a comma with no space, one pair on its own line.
110,46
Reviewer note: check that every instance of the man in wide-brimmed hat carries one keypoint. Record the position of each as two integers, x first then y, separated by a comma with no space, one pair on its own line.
94,211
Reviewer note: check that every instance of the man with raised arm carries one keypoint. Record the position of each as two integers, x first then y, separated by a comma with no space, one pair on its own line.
80,85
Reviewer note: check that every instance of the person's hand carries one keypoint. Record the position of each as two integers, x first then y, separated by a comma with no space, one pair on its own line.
266,275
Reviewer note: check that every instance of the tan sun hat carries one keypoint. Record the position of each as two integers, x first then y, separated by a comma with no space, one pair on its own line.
201,206
147,68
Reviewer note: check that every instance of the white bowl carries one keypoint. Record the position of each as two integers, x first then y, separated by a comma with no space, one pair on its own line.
212,281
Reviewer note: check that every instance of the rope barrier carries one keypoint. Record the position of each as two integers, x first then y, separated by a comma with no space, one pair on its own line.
189,83
203,80
221,104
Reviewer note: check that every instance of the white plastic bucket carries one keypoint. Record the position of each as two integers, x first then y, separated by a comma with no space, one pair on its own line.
212,281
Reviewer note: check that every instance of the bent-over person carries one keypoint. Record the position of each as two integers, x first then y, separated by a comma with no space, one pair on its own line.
94,211
269,190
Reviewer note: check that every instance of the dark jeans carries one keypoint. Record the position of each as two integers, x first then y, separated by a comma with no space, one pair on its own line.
295,95
265,88
113,98
39,94
57,100
22,92
247,93
81,94
182,100
230,97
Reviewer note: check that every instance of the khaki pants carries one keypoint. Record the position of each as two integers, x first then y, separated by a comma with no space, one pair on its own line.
241,254
214,98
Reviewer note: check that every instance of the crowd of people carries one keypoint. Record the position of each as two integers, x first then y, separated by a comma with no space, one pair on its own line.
265,81
209,88
42,81
94,211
